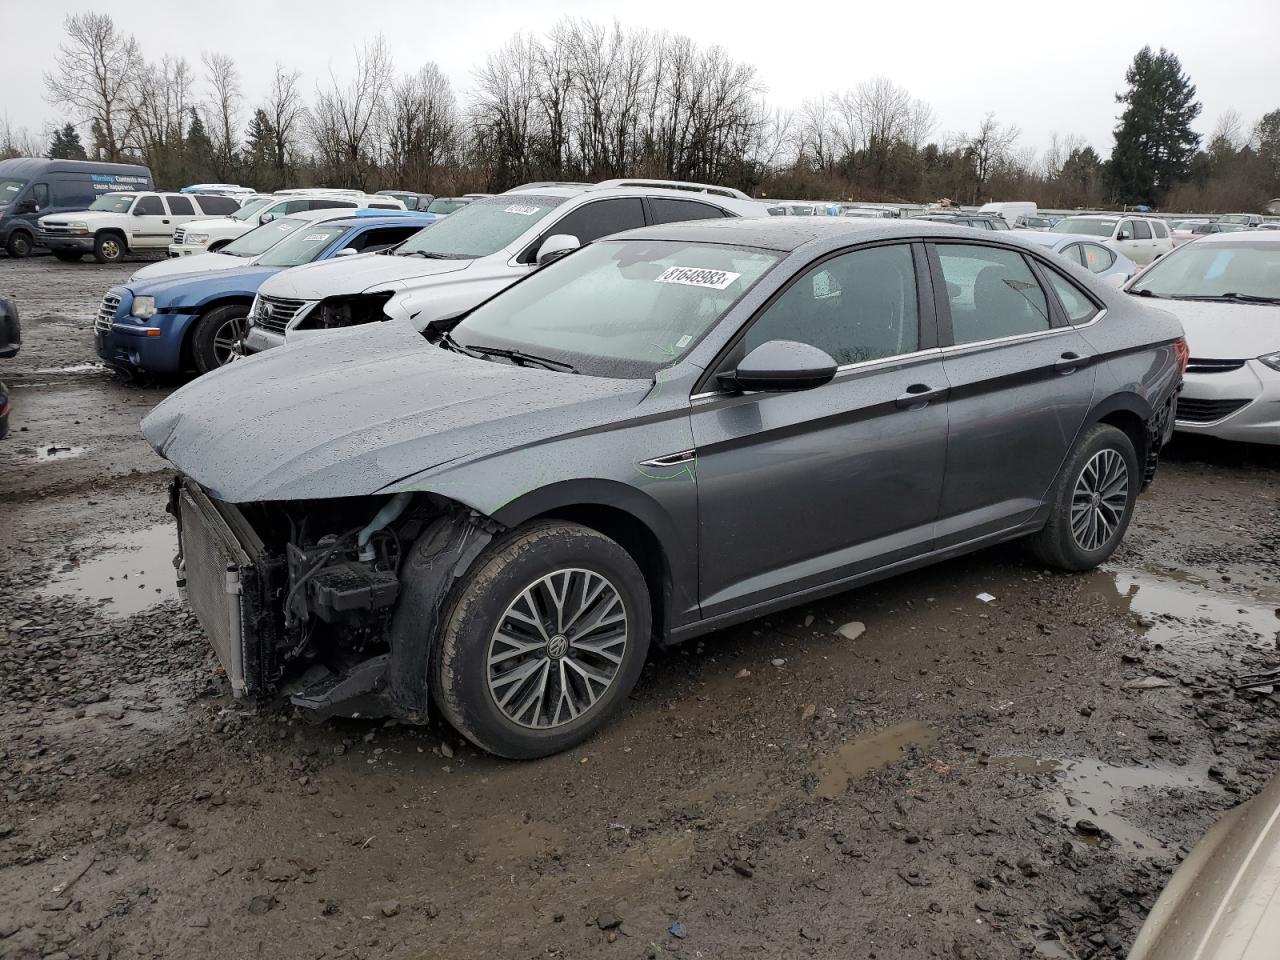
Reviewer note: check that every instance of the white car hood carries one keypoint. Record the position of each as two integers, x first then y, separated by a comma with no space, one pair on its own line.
196,263
86,216
1228,331
214,223
350,275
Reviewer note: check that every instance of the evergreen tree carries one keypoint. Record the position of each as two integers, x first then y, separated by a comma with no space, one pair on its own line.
1267,141
66,144
260,150
1154,141
200,159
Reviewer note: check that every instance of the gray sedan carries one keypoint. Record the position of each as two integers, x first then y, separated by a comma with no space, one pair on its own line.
1103,262
663,433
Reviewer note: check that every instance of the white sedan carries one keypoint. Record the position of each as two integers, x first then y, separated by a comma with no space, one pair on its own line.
1225,288
1085,251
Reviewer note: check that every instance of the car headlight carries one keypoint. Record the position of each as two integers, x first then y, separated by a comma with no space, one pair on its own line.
1272,360
78,225
144,308
197,238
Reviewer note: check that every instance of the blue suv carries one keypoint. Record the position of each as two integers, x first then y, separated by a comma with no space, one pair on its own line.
173,323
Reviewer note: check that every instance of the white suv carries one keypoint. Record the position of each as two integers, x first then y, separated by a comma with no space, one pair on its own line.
207,236
119,223
470,255
1141,239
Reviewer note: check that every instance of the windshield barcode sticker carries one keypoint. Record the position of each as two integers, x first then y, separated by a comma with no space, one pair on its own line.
698,277
315,238
523,209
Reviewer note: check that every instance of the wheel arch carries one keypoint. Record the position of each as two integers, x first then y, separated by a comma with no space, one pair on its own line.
1129,413
624,514
197,314
113,232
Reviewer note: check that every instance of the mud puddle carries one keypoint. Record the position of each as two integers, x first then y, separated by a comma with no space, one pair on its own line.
1086,789
878,749
132,573
1165,604
47,453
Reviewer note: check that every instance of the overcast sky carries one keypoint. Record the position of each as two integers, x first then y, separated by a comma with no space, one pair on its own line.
1044,66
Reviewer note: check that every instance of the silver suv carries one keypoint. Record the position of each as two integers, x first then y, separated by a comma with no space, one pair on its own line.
472,254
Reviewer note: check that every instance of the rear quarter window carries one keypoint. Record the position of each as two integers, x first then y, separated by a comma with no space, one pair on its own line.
1078,306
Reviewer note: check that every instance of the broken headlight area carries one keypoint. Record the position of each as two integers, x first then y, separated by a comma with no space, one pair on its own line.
338,312
301,596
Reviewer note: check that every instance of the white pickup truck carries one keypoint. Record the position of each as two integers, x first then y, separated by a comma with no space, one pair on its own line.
120,223
208,236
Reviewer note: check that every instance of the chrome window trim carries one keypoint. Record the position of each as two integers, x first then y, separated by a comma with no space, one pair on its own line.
934,351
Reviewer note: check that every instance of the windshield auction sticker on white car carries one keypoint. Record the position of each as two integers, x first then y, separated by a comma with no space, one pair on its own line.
523,209
697,277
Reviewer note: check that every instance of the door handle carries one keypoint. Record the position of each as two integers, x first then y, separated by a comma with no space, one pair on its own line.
918,395
164,221
1069,363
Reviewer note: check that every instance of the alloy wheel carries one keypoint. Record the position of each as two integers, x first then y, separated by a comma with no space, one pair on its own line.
1099,499
225,338
111,249
557,648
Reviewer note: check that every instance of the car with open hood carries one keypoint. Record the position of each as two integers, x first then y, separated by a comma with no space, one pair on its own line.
172,322
1225,289
476,251
660,434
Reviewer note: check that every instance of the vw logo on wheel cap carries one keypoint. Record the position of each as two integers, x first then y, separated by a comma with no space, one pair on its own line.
557,646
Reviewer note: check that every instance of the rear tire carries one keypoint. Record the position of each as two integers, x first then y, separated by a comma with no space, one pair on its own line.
108,248
215,334
524,689
1092,501
19,245
68,256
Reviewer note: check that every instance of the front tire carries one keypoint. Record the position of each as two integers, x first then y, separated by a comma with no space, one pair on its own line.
215,335
20,244
547,636
1092,501
108,248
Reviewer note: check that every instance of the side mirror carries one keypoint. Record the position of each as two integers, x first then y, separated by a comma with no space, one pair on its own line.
780,366
138,211
555,247
27,206
266,218
347,252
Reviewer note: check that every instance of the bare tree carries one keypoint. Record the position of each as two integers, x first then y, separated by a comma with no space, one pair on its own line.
991,147
96,71
160,106
422,127
17,141
348,121
222,111
503,115
287,113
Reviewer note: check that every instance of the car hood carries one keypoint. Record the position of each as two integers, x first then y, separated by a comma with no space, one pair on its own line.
352,413
176,288
1227,331
215,223
348,275
196,263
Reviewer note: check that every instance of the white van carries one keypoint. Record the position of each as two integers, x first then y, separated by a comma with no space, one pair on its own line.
1011,210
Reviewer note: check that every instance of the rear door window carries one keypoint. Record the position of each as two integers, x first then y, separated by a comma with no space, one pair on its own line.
179,206
992,293
1075,304
324,203
669,210
1140,230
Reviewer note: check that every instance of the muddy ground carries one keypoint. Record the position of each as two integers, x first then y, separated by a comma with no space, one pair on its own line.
965,779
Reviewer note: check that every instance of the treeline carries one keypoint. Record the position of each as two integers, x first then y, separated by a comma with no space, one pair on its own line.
588,102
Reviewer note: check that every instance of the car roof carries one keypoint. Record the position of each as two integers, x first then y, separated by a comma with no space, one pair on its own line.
1236,236
786,234
1045,238
385,218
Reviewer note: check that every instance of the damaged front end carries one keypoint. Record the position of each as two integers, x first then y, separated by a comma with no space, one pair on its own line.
336,601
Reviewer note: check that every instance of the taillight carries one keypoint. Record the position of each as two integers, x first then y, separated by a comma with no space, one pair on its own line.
1183,353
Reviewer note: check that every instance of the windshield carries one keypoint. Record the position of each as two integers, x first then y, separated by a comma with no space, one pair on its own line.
445,206
1234,218
113,203
250,210
263,238
1212,270
1089,226
617,309
9,190
479,228
303,246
